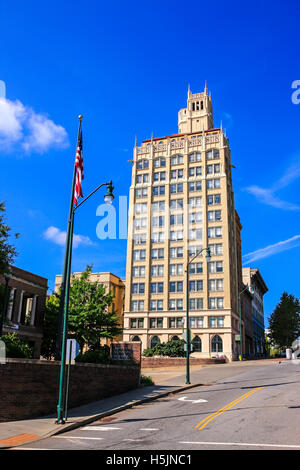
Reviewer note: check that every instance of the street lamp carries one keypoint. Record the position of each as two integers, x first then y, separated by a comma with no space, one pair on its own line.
207,258
240,314
64,301
7,277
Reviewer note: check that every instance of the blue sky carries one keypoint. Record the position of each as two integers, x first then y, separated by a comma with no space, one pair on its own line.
126,67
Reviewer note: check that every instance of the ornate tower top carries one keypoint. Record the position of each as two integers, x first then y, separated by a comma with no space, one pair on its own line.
198,115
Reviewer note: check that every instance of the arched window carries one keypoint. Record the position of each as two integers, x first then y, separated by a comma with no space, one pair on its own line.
217,344
154,341
158,162
136,338
176,159
175,338
213,153
197,344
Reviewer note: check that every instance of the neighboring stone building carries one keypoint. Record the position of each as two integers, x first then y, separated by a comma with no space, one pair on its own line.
113,284
181,200
253,278
25,309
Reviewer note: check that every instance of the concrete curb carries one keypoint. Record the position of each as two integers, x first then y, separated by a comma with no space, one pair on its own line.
70,427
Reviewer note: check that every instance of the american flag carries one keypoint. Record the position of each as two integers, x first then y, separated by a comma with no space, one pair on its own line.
79,169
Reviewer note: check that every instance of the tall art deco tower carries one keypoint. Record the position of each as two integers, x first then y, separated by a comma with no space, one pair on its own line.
181,200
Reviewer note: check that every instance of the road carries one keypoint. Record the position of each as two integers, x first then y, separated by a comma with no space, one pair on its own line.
258,408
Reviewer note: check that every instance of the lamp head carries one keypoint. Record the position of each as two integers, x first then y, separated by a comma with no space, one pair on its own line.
208,255
109,197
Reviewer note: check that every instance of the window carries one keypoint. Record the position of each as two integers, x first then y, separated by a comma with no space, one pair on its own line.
140,222
213,199
143,178
140,238
196,268
195,171
176,269
141,192
138,288
157,253
176,286
195,186
158,237
141,208
154,341
215,267
216,249
139,255
136,323
177,159
214,232
195,234
138,271
176,304
195,157
159,162
216,302
196,322
214,183
156,305
211,154
194,249
176,252
196,304
157,270
159,176
136,338
142,164
137,305
158,221
176,188
176,204
176,174
195,218
195,201
216,322
175,322
176,235
197,345
213,216
196,286
156,287
176,219
215,284
158,206
158,190
216,344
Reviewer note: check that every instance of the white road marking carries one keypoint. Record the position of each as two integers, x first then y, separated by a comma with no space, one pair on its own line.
149,429
99,428
289,446
133,440
78,437
200,400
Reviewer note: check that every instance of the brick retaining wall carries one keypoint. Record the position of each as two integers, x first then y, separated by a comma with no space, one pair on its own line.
161,361
29,388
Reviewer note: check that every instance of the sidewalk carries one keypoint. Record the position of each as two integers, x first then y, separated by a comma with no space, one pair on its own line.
166,381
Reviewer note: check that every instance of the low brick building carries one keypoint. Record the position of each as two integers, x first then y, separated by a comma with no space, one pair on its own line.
25,309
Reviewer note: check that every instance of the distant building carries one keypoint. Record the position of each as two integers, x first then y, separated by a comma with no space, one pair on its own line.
114,284
25,309
253,278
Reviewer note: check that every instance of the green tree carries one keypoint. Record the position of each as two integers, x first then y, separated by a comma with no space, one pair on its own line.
7,251
89,316
284,322
16,347
50,326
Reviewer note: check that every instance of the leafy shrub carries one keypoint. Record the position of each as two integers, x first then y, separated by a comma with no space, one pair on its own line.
146,380
101,355
173,348
17,347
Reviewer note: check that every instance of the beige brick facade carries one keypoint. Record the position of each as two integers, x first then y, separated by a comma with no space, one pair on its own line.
181,200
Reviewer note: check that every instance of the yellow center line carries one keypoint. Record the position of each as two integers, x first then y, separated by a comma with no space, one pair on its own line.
214,415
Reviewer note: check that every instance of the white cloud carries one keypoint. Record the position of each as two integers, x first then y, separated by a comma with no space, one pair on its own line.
59,237
267,196
21,128
271,250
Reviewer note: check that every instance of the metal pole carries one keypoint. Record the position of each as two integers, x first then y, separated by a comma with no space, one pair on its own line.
187,328
68,381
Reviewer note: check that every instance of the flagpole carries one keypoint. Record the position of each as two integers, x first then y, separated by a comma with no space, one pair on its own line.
64,299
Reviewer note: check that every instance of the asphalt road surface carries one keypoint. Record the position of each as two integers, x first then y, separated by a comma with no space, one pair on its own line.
257,409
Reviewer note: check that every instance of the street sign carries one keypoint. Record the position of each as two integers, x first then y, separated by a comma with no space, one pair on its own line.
237,337
74,349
